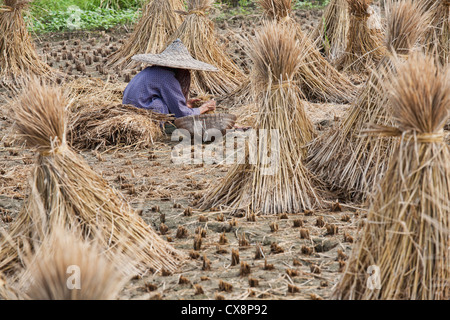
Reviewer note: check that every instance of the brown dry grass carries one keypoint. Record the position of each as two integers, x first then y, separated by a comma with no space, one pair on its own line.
318,79
66,184
364,43
18,56
151,34
198,35
289,188
62,253
408,228
331,34
344,158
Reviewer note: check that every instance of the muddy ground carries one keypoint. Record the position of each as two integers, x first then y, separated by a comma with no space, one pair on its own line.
289,267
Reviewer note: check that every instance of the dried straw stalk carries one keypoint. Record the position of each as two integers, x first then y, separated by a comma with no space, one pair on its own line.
408,230
115,126
364,42
331,34
7,292
345,160
318,79
67,185
18,56
437,39
151,34
276,58
198,35
98,120
46,274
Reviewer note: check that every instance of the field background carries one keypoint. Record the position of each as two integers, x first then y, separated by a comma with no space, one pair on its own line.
161,190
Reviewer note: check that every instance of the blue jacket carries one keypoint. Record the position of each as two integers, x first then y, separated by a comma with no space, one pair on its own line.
157,89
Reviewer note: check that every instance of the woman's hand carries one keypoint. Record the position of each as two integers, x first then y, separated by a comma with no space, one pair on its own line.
208,106
191,102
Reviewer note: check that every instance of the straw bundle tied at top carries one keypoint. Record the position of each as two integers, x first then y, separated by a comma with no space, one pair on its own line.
318,79
151,34
46,273
346,160
276,58
331,33
18,56
364,43
407,235
63,179
198,35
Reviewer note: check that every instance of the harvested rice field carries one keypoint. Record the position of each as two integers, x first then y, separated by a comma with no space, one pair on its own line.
77,167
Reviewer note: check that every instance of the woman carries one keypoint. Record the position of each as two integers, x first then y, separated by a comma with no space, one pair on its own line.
164,87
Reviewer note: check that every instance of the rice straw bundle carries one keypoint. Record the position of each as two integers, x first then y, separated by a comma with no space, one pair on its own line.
438,36
61,255
72,193
276,58
331,34
407,235
198,35
18,56
318,79
344,159
364,42
158,22
99,127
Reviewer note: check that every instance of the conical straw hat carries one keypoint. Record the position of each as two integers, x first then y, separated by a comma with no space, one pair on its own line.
177,56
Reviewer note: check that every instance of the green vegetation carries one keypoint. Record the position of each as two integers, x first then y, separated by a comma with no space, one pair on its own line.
95,19
311,4
66,15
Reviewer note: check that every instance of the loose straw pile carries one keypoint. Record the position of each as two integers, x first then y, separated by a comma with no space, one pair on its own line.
407,235
364,42
151,34
331,34
343,158
71,193
115,126
198,35
18,56
318,79
276,57
98,120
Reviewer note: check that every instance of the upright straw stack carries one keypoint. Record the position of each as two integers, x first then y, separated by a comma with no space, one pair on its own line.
288,187
346,160
70,193
364,41
331,33
18,56
151,34
437,39
407,234
66,267
198,35
318,79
